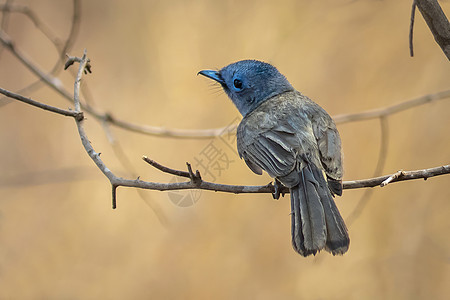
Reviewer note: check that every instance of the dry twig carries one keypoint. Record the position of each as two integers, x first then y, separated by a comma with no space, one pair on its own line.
64,112
411,28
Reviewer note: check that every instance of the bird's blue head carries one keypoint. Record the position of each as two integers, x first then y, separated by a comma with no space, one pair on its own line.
249,83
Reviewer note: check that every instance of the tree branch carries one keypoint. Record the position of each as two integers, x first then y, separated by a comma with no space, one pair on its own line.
390,110
411,28
69,113
166,169
5,18
396,177
269,188
437,22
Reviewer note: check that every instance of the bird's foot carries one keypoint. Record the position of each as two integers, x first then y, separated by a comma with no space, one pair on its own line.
278,187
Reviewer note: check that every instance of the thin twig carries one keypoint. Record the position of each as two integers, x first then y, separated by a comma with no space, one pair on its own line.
5,19
84,139
166,169
268,188
240,189
407,175
411,29
339,119
393,109
74,28
78,115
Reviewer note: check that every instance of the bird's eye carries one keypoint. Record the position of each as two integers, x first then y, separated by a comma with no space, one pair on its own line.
237,84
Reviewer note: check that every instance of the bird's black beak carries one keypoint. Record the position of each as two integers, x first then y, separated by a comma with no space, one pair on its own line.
214,75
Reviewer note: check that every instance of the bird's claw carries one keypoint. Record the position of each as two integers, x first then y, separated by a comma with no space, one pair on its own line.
277,186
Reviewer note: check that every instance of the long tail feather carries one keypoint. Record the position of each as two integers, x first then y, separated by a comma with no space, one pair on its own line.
316,221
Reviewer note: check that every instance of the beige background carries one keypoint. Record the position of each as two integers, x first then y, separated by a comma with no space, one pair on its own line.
59,237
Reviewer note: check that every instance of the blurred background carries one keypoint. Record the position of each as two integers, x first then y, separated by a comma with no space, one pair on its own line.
59,237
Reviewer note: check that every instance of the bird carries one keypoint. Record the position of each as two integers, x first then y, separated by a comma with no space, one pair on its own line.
296,142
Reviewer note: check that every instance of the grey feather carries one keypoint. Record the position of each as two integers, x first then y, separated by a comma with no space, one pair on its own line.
312,212
286,151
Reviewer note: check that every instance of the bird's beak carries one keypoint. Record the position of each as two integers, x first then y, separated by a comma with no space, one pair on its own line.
214,75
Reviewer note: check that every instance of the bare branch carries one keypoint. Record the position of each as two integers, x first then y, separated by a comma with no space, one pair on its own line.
339,119
437,22
238,189
411,28
406,175
5,19
390,110
166,169
391,178
169,132
84,139
74,28
78,115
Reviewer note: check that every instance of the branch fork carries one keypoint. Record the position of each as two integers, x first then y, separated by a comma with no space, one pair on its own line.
393,177
73,59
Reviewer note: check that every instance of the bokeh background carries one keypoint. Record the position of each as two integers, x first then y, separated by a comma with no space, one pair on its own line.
59,237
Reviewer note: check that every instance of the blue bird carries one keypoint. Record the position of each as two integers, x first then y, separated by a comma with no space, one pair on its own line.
296,142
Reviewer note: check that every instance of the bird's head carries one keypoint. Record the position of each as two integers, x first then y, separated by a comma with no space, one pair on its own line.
249,83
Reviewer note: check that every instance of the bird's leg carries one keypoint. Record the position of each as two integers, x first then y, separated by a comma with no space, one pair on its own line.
278,187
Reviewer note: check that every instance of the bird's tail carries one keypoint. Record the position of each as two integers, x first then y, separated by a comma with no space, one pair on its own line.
316,221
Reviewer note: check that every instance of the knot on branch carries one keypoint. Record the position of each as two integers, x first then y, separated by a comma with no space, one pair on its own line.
79,116
107,117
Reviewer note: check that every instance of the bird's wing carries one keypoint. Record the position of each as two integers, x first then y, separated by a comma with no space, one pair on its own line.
329,144
271,147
